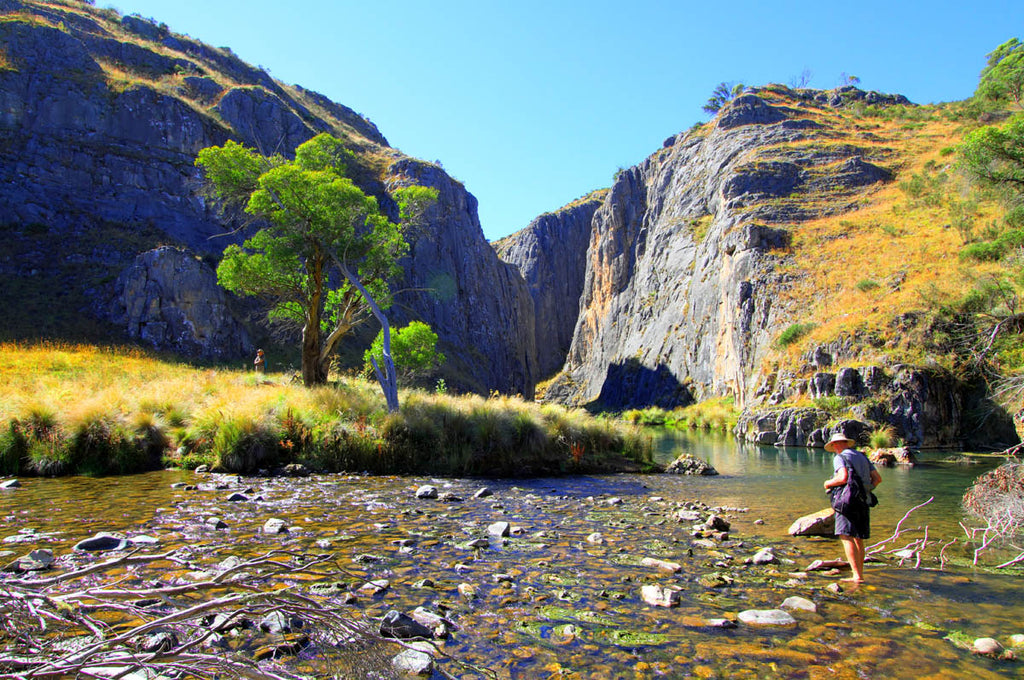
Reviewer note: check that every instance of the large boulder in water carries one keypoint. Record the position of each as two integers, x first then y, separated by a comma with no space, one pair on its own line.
690,465
821,523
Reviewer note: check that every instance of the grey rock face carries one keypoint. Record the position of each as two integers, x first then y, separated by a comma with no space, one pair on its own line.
105,166
479,306
168,299
550,254
679,298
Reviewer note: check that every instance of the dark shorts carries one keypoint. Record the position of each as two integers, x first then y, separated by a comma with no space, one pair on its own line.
855,522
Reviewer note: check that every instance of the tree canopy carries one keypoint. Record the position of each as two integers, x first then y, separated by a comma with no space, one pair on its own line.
721,95
1003,76
413,348
324,252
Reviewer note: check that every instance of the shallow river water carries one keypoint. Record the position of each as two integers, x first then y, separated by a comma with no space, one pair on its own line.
570,604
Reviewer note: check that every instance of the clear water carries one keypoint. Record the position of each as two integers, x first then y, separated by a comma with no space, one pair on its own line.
892,627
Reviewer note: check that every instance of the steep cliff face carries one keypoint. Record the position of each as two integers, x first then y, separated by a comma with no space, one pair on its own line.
551,255
101,117
685,257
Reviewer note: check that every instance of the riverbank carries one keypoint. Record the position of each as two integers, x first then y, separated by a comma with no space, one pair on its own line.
539,578
89,410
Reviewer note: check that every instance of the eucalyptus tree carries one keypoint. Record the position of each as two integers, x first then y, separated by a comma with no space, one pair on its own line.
324,252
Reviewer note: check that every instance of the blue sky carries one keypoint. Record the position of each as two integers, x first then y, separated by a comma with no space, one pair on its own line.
533,104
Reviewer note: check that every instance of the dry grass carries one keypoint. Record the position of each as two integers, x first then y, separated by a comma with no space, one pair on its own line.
54,395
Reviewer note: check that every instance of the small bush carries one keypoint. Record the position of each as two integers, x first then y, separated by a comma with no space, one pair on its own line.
794,333
867,285
989,251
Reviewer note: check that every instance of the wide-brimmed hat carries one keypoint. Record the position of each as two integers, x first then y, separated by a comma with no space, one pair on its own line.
836,438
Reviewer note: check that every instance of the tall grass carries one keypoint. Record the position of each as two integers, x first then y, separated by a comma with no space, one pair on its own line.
81,409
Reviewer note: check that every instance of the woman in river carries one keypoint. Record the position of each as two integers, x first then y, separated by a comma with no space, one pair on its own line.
854,524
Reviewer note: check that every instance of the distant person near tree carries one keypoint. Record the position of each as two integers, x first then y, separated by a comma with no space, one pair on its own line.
260,363
854,524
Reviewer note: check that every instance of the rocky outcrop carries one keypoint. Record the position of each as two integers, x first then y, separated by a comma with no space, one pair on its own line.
170,300
924,409
551,255
101,118
683,266
478,305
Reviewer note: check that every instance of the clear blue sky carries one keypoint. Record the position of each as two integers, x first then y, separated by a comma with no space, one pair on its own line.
533,104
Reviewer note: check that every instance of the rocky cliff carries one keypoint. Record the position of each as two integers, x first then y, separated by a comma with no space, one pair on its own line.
685,256
101,117
551,255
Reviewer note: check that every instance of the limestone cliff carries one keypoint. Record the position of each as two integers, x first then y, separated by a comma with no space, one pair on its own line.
101,117
686,253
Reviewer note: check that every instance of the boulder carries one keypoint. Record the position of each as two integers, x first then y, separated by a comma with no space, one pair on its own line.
821,523
687,464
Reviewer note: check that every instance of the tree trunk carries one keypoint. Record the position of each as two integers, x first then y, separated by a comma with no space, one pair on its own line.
387,378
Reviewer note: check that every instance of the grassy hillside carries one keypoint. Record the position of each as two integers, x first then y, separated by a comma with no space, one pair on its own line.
87,409
891,273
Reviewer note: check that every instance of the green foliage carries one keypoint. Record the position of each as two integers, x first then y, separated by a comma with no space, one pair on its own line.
994,156
988,251
413,349
794,333
722,95
867,285
1003,76
324,240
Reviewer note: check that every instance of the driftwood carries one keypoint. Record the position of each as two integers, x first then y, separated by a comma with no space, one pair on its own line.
133,623
895,546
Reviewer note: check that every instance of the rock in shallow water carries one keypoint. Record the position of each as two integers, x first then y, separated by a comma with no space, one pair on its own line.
102,542
766,617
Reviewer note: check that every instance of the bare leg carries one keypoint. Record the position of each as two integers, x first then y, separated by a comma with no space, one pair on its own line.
854,549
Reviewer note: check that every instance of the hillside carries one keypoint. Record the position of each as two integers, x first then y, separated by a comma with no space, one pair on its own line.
797,234
102,118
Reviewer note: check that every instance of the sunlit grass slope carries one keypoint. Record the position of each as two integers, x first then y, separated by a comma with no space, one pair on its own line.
85,409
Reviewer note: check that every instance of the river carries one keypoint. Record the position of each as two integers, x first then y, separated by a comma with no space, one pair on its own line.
570,604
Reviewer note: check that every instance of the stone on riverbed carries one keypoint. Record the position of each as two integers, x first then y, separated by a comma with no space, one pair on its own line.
663,565
102,542
415,661
500,529
37,560
802,603
821,523
426,491
766,617
275,526
661,596
689,465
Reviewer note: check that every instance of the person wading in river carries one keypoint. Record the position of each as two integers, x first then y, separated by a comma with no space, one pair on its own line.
853,525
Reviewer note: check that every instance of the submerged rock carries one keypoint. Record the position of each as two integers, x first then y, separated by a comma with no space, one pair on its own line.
766,617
